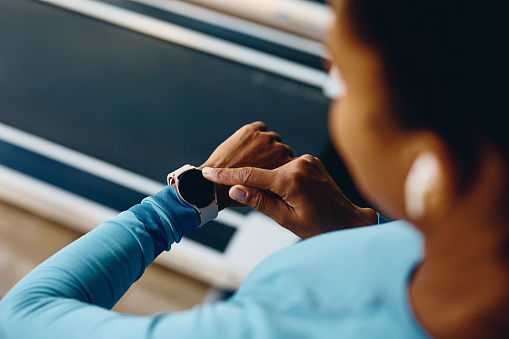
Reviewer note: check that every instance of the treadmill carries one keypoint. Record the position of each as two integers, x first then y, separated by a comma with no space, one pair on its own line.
96,94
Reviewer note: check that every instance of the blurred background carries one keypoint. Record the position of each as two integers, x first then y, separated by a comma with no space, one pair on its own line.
99,100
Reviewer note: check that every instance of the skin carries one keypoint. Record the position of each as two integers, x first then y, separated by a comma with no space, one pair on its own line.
459,290
250,145
300,196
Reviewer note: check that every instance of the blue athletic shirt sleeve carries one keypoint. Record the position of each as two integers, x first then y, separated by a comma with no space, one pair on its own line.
70,294
344,284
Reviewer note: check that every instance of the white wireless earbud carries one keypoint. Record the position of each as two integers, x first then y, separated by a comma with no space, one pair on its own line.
424,171
334,87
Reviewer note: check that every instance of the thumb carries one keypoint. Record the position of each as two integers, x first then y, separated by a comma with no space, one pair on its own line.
263,201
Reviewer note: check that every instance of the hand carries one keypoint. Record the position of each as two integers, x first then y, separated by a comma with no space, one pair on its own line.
253,146
300,196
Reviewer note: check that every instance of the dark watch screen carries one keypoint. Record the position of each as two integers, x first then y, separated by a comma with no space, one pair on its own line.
195,189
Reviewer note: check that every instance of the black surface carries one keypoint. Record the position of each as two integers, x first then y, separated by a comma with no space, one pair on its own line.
138,102
135,101
339,173
213,234
73,180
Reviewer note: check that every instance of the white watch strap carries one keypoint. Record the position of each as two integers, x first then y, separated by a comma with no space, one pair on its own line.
173,176
209,213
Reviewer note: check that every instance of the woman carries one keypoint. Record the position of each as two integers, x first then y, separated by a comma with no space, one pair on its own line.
422,144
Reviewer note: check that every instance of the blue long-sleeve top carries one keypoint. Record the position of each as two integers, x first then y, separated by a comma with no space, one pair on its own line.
344,284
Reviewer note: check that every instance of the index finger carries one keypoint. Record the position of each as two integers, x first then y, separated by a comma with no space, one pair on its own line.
247,176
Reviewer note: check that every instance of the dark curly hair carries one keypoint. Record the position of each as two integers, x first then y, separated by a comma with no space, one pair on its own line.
446,65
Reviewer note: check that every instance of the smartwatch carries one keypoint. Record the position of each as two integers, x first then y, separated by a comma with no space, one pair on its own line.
196,191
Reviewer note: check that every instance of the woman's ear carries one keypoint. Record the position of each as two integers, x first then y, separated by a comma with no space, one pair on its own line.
423,175
429,183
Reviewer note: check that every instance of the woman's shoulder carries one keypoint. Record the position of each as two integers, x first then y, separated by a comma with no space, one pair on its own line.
338,266
348,284
356,245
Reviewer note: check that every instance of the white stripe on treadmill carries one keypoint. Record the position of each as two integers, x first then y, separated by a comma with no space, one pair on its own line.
192,39
79,160
235,24
87,164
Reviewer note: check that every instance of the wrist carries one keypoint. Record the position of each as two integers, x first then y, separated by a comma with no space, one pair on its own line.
367,216
360,216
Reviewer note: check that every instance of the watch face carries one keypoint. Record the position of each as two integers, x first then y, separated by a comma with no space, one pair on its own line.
195,189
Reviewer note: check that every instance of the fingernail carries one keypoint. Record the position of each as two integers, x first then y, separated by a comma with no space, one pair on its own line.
207,171
237,194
